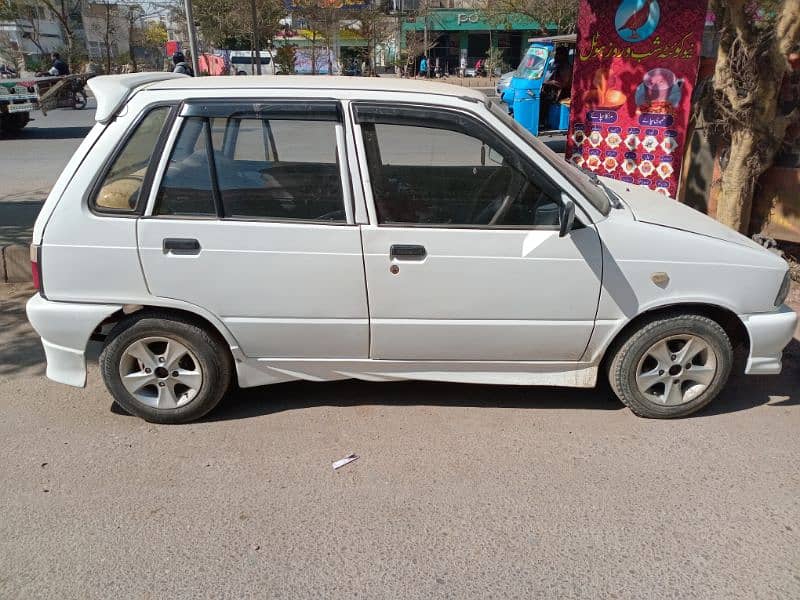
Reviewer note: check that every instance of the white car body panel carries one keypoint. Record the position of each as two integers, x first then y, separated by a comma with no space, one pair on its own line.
282,289
77,237
65,328
318,302
483,295
265,371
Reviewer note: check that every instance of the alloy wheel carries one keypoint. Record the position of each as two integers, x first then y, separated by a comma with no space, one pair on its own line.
676,369
160,372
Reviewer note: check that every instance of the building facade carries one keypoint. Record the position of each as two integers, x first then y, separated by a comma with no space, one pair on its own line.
34,33
463,35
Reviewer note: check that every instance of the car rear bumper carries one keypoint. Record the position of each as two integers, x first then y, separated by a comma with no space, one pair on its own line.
65,328
769,335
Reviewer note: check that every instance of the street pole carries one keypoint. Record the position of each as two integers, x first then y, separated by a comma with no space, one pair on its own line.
192,36
256,42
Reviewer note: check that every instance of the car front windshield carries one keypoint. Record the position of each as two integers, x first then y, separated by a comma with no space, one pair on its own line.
576,177
533,63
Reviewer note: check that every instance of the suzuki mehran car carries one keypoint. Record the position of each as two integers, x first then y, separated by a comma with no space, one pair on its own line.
221,230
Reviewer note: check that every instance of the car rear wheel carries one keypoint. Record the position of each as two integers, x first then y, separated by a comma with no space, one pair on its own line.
165,369
671,367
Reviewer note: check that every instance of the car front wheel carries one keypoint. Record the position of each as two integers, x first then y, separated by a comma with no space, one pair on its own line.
165,369
671,367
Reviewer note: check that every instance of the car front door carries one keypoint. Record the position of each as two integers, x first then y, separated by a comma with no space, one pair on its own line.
462,254
252,221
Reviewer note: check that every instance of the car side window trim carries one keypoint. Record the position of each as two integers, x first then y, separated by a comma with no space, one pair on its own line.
216,195
163,163
143,195
282,108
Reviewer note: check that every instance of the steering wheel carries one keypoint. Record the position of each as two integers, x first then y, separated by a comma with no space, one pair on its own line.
491,212
508,201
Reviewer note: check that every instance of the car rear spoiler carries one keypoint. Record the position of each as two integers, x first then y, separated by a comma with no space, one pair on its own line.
112,91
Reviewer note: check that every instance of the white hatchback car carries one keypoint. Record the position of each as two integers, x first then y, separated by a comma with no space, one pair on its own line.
260,230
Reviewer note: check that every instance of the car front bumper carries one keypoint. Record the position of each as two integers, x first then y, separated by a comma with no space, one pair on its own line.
65,328
769,335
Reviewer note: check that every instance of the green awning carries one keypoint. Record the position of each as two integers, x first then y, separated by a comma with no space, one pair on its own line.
469,20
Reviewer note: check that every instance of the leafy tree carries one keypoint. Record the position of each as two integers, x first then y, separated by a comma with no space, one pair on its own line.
230,22
67,12
375,26
133,15
323,20
285,58
558,15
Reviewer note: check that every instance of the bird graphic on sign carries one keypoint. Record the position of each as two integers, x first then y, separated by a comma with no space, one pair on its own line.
636,20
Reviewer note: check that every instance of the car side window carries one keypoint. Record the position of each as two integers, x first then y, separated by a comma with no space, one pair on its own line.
186,188
122,184
263,165
442,170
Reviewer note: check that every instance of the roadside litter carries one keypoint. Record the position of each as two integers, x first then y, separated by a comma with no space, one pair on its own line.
344,461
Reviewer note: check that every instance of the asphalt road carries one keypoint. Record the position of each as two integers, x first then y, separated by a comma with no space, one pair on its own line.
30,163
460,491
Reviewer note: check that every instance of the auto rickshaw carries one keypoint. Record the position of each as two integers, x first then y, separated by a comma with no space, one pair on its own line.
534,102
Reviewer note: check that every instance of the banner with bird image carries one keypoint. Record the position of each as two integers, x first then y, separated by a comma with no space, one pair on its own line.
635,67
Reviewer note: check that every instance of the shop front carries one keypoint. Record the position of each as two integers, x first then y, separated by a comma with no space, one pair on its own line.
464,34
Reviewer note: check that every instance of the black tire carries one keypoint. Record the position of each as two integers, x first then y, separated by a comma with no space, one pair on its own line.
212,356
629,356
14,122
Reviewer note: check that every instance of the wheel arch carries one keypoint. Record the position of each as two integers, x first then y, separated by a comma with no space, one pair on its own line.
207,322
724,317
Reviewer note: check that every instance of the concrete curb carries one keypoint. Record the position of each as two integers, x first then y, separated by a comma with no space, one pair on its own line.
15,264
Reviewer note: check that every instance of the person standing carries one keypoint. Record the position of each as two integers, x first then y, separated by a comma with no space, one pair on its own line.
181,66
423,67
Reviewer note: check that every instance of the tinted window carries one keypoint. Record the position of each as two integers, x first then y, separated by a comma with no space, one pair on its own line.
123,181
186,188
272,168
451,174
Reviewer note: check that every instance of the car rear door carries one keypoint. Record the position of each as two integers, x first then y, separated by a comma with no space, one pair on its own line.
251,219
463,256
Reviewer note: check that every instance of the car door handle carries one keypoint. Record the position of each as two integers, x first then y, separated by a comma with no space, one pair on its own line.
407,252
181,246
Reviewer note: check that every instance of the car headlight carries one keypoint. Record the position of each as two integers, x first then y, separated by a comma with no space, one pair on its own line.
784,291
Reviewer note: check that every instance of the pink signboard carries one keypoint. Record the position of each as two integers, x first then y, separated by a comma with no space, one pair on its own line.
635,68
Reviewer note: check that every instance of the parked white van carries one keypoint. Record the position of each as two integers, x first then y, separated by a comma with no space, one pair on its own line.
243,63
260,230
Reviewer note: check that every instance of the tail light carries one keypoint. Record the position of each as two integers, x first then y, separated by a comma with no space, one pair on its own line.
36,268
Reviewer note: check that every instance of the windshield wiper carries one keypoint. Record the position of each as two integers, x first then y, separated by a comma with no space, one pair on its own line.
613,197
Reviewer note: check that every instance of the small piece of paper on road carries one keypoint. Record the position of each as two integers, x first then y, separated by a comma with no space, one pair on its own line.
344,461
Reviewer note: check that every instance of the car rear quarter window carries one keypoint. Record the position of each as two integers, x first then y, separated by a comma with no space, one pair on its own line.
122,183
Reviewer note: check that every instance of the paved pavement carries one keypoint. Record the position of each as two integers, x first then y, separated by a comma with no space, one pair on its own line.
460,491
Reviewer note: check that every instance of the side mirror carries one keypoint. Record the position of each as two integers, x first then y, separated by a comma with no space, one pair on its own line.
567,217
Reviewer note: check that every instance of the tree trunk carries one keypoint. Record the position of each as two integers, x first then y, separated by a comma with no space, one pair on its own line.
736,199
134,66
750,67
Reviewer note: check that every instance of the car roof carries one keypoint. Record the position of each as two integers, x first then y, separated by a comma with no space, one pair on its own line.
112,91
317,82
